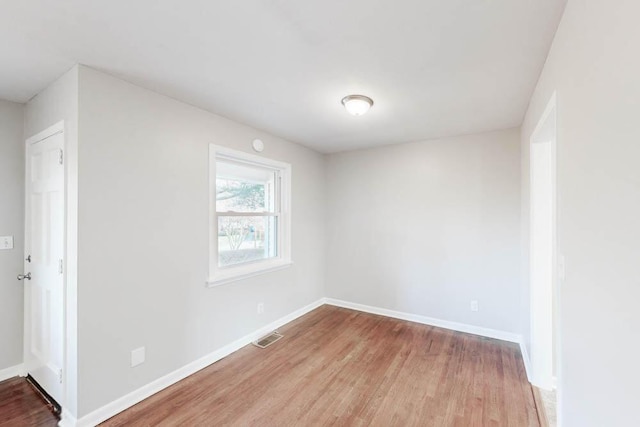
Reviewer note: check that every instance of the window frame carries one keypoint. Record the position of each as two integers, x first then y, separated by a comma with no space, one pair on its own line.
223,275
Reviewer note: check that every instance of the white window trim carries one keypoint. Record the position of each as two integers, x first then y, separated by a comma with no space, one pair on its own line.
220,276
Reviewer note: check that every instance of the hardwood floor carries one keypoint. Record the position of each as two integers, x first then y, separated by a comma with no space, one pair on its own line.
341,367
21,405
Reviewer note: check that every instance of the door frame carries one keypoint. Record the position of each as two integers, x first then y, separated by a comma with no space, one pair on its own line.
57,128
544,302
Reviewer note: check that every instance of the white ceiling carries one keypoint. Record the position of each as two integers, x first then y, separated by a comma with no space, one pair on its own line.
433,67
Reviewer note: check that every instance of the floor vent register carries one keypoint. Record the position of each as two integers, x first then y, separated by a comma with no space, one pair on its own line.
265,342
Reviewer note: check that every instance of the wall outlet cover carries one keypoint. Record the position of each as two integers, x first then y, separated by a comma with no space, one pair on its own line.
137,356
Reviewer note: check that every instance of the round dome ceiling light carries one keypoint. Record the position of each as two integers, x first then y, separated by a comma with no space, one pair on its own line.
357,105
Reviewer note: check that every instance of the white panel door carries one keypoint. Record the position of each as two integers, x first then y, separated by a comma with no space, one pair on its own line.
44,293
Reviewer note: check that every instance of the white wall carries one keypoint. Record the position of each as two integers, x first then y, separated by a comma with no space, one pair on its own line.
594,67
143,230
11,224
59,102
426,227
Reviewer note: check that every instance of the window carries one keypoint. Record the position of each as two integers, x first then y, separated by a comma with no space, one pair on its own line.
249,219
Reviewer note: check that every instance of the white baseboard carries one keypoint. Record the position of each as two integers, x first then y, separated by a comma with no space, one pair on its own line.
66,419
12,371
454,326
529,368
526,359
127,401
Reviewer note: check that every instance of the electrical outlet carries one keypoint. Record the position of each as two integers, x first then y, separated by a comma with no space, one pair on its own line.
474,305
137,356
6,242
260,308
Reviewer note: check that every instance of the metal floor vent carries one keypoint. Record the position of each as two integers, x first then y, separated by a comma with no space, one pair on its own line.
265,342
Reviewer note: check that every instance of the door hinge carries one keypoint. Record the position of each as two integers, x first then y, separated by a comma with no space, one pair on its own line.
60,266
60,376
61,159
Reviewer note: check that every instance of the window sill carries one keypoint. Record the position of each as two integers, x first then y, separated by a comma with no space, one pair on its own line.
224,277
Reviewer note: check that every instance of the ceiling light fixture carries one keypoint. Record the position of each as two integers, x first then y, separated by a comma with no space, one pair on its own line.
357,105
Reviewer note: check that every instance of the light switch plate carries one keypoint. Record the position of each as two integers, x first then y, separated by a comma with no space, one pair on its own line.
6,242
137,356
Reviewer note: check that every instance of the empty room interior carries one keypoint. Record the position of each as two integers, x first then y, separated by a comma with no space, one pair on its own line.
308,213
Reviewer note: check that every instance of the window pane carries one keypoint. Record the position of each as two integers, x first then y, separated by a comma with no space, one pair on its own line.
243,188
246,238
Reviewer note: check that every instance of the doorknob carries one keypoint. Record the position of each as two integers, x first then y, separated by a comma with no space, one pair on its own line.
24,276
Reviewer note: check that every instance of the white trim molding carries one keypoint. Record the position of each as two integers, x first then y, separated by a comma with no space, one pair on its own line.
274,266
279,209
12,371
446,324
543,249
47,133
525,359
127,401
66,419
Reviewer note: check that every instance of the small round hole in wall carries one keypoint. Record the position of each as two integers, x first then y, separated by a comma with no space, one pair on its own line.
258,145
